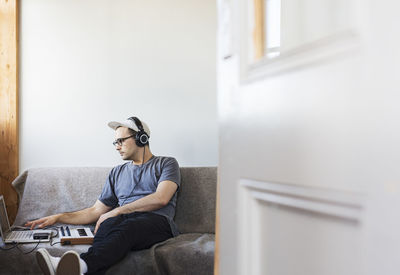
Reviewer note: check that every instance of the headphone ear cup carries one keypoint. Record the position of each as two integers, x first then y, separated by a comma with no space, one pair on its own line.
141,138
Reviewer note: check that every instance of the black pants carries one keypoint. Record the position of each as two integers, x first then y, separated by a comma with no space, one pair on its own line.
118,235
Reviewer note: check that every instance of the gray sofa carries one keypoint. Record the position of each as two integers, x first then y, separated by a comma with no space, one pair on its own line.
45,191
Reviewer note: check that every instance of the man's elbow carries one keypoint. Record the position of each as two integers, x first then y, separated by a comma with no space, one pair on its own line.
163,201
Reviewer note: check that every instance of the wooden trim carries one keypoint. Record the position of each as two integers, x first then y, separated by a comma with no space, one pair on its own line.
9,143
259,29
340,204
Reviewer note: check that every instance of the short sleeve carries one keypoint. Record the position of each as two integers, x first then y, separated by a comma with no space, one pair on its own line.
108,196
170,171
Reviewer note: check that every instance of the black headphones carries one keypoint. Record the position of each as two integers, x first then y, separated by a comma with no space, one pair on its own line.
141,138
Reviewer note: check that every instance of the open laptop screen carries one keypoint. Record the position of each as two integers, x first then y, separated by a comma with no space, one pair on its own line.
5,225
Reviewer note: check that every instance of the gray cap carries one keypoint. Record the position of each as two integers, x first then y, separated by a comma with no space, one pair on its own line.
129,123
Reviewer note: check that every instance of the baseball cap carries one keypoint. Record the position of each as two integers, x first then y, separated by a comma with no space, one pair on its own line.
129,123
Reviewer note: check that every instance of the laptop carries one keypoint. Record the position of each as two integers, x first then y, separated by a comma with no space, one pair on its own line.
15,236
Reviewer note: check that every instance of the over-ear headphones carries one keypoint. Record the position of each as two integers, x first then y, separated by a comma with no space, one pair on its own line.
141,138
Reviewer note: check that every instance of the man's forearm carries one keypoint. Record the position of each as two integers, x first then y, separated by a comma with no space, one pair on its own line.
149,203
165,191
85,216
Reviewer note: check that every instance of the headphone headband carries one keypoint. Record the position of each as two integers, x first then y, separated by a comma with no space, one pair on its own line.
138,123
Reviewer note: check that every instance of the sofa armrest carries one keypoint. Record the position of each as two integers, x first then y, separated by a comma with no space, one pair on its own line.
19,185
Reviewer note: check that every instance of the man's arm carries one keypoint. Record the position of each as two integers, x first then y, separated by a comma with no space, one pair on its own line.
84,216
164,192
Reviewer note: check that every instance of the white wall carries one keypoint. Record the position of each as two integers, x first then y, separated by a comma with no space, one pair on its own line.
84,63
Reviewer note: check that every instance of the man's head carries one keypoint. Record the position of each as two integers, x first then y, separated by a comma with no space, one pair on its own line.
131,135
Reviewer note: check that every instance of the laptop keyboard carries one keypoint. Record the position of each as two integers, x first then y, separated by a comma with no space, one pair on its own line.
20,235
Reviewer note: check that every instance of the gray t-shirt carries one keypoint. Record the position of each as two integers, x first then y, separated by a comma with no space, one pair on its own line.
127,183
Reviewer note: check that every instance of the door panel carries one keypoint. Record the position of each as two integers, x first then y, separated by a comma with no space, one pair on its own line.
285,228
322,116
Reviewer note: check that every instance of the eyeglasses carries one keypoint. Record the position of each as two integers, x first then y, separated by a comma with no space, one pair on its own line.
119,141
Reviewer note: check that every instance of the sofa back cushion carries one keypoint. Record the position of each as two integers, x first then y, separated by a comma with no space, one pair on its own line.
49,191
195,207
46,191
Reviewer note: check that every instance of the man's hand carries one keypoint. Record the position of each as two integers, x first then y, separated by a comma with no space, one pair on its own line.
40,223
104,217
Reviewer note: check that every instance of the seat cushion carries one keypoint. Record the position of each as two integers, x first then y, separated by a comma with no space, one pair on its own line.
22,260
180,255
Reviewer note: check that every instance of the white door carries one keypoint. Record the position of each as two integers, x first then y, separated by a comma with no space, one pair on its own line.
309,122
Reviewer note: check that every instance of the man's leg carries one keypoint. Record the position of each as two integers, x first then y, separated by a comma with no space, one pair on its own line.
118,235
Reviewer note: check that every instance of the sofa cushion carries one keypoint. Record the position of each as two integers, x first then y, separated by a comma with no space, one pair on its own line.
186,254
180,255
22,260
195,207
54,190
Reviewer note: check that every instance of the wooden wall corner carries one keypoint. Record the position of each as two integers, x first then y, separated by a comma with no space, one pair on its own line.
9,143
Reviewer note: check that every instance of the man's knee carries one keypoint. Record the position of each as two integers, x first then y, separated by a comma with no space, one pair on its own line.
108,225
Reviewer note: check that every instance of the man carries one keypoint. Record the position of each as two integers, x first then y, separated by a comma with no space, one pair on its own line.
134,211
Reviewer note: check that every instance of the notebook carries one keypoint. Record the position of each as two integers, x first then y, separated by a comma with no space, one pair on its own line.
15,236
